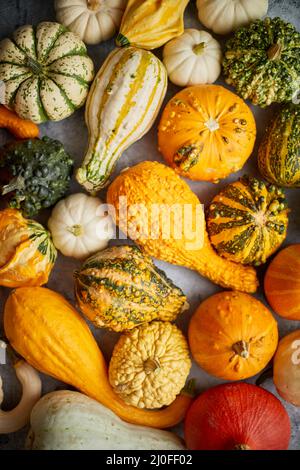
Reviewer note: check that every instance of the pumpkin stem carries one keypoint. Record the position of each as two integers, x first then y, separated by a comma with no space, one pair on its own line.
16,183
93,4
212,124
242,349
34,65
76,230
241,447
198,49
274,52
151,365
122,40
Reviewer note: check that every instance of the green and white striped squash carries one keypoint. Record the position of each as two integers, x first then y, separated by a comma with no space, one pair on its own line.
247,221
46,72
279,151
122,105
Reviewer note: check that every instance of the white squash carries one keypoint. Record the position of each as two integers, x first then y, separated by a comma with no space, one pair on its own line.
93,21
224,16
80,225
67,420
193,58
122,105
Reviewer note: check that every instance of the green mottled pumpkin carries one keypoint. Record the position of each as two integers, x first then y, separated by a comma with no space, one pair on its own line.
247,220
262,61
120,288
279,152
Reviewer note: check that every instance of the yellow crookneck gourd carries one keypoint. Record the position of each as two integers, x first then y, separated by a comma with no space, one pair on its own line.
187,244
150,24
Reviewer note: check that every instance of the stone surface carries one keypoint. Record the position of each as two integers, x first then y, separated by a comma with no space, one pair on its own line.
72,132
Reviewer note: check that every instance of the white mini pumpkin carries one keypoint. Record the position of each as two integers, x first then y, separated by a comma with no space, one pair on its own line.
193,58
80,225
224,16
92,20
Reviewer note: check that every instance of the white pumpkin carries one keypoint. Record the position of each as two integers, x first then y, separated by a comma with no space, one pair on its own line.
92,20
80,225
224,16
193,58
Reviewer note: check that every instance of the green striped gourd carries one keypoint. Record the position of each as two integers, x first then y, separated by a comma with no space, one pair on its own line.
279,152
120,288
122,105
46,72
247,221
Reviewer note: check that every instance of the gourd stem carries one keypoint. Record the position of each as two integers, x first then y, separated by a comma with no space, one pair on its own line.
16,183
198,49
34,65
122,40
242,447
93,4
76,230
242,349
274,52
151,365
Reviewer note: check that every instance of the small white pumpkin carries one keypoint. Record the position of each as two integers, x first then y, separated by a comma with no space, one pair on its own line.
92,20
80,225
193,58
224,16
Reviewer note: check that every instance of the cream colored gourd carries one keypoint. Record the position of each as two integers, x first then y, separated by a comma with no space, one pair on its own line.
224,16
93,21
66,420
193,58
80,225
15,419
122,105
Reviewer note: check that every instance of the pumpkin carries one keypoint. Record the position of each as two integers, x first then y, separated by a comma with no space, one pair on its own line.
193,58
177,226
247,221
117,117
282,283
120,288
80,225
34,173
65,420
27,253
206,132
237,416
232,335
149,365
150,24
286,368
278,154
93,21
224,16
46,330
262,61
46,72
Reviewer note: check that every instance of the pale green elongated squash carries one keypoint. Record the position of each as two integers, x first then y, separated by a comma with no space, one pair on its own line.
122,105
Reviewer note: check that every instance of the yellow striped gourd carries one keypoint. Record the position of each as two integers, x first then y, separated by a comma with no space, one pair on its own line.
122,105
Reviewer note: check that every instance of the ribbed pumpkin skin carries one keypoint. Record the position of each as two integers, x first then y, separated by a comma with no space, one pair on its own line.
120,288
46,72
282,283
232,335
278,155
122,105
206,132
247,221
262,61
237,417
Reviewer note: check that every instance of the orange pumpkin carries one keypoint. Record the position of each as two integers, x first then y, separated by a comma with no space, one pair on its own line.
282,283
232,335
206,132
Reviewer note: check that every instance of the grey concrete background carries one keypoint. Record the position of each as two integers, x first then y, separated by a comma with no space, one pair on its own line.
72,132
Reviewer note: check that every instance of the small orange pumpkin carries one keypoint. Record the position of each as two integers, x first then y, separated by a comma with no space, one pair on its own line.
206,132
282,283
232,335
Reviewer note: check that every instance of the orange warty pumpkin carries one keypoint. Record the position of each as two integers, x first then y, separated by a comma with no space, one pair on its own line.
206,132
282,283
232,335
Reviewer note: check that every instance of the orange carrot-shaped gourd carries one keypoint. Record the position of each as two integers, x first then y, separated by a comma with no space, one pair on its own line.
20,128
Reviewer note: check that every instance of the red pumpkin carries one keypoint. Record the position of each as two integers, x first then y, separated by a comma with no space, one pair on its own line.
237,416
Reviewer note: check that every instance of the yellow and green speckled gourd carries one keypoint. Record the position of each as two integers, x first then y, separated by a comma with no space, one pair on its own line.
120,288
247,221
278,155
122,105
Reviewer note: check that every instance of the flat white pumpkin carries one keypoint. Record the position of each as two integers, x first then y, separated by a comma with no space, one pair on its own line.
80,226
224,16
92,20
193,58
